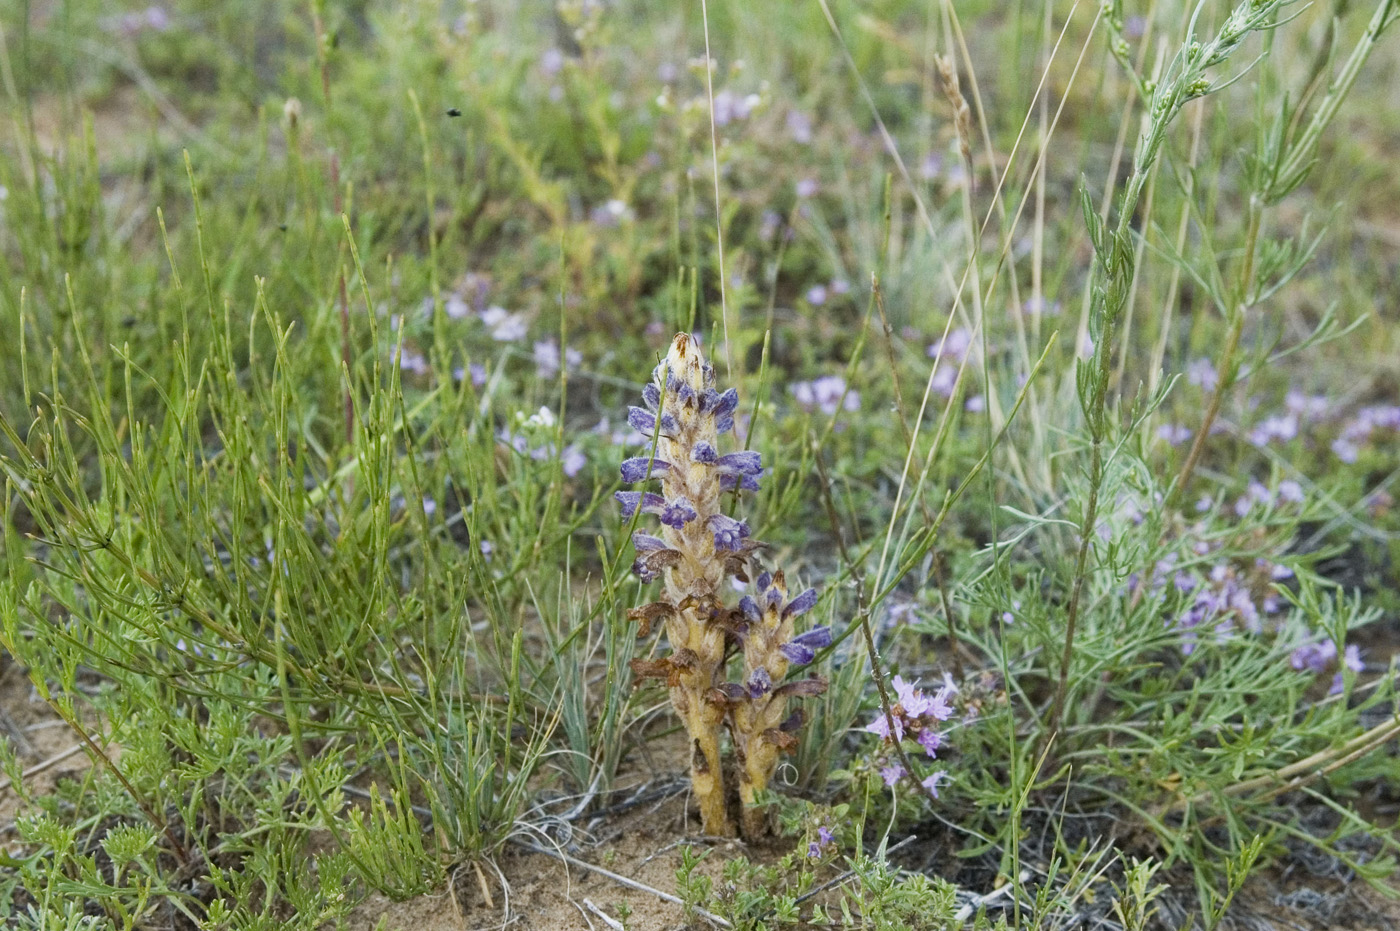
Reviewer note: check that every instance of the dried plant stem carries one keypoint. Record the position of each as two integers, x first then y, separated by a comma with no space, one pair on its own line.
1297,775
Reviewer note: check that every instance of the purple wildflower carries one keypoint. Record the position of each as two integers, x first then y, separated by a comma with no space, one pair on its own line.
939,777
677,513
729,533
801,605
1201,373
930,740
892,774
1175,434
880,726
636,469
573,460
801,649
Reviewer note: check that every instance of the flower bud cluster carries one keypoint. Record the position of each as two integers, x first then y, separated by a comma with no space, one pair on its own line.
697,548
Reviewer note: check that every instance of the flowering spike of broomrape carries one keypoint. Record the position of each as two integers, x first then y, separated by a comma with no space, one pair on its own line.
697,549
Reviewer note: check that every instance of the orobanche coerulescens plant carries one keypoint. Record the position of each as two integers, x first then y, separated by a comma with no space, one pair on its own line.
698,550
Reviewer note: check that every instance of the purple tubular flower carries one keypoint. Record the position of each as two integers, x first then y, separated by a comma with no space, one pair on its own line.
750,609
824,835
747,462
643,422
802,649
651,395
704,453
635,469
677,513
813,851
892,774
801,605
729,533
646,543
760,683
730,482
722,407
629,500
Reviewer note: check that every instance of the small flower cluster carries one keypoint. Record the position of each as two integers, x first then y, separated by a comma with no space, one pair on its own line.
698,548
915,715
949,353
1230,597
827,394
534,437
1359,430
1318,656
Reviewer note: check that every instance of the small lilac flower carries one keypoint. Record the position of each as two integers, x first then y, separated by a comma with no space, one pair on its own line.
816,295
939,708
487,548
799,127
930,740
769,224
413,362
954,346
945,380
546,353
912,700
1174,434
1282,427
1346,450
840,286
892,774
760,683
1314,657
505,326
807,187
880,726
931,166
456,307
934,781
1290,491
976,404
729,533
573,460
1039,306
1201,373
